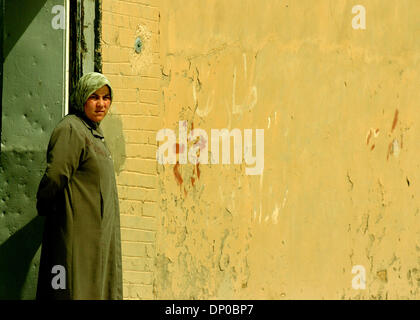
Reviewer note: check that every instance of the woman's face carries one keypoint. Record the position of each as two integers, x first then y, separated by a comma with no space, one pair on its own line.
98,103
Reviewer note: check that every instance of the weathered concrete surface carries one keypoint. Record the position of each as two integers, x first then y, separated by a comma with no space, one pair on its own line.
340,185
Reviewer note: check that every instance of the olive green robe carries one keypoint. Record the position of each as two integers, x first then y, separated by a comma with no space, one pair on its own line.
78,196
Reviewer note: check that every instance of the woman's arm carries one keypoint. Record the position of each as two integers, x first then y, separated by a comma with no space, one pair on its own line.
65,150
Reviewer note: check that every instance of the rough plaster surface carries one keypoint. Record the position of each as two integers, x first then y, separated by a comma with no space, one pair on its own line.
339,187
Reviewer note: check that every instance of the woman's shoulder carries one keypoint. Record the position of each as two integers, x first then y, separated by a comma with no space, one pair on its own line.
70,121
70,125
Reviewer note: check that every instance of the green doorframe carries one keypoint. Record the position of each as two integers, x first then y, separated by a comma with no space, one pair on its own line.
98,36
75,44
85,39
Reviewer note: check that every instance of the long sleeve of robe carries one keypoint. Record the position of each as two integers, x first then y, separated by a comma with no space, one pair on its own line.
81,248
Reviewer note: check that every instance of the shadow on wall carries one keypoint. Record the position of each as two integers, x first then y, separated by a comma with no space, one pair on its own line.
22,160
16,255
23,12
20,227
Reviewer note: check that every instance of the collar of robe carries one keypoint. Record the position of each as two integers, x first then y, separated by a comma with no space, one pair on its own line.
92,126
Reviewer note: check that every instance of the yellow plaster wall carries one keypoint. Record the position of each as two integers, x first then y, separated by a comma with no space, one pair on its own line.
341,176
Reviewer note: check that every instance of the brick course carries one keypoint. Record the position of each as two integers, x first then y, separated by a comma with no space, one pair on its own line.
136,102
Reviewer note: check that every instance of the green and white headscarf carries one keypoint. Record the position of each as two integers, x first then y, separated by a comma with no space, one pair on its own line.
87,85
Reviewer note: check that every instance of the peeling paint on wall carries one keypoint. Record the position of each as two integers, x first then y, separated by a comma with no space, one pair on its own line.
339,187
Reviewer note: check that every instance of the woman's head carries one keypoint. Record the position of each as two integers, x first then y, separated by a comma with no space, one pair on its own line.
93,96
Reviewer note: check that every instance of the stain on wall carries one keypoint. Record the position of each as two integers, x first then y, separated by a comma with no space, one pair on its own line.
338,107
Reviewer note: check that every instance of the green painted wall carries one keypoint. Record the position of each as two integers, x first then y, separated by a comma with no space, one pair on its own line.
32,104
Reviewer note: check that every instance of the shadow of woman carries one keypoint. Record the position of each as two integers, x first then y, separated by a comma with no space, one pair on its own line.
16,258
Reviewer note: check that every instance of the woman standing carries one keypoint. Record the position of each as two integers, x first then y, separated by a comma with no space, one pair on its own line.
81,248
